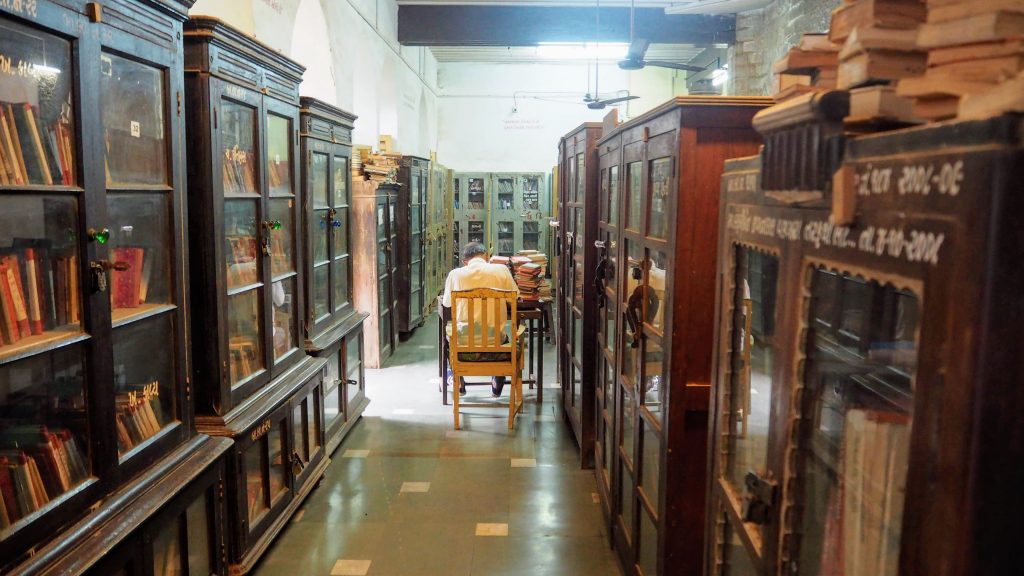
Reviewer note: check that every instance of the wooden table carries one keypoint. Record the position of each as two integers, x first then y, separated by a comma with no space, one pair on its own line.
537,316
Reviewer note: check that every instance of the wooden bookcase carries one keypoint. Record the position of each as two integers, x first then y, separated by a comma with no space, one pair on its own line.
519,211
374,236
658,220
576,295
94,270
411,250
334,330
254,382
865,396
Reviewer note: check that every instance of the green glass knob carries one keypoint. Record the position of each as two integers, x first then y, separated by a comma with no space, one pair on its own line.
277,225
101,236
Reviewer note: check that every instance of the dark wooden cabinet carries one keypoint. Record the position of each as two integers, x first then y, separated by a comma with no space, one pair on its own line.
411,249
865,396
439,233
94,376
374,238
249,279
657,222
577,295
334,329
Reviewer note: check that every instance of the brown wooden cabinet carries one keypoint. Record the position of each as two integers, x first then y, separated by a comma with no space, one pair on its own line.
334,329
657,221
374,238
249,274
95,401
865,396
411,249
577,295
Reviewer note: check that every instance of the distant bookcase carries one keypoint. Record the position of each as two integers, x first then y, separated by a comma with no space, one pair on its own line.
507,212
94,378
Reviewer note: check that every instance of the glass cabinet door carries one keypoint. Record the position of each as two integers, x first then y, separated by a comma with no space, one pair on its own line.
354,373
334,391
281,228
45,436
242,223
341,262
322,229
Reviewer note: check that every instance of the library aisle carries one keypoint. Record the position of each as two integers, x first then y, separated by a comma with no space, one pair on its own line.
408,495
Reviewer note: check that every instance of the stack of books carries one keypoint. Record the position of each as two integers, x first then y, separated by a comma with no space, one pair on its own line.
139,415
528,278
807,67
30,151
381,167
39,291
37,464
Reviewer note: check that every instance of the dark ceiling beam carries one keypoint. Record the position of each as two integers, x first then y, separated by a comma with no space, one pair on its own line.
474,25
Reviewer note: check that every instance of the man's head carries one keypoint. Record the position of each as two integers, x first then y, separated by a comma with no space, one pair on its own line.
473,250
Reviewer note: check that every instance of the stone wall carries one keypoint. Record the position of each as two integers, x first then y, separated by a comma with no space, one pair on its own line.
765,34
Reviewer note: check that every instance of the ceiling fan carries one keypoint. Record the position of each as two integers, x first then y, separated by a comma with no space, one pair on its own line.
594,102
638,47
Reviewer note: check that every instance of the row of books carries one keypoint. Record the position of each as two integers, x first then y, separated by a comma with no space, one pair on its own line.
39,291
130,287
241,266
238,172
31,153
36,466
279,173
506,245
139,416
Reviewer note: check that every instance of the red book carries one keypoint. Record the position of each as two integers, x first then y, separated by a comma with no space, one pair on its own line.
126,282
14,294
7,490
34,290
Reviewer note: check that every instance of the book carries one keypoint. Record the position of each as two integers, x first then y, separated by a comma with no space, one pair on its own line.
894,14
817,42
969,52
13,142
798,61
863,39
958,10
936,108
126,284
932,87
41,152
34,289
1006,97
878,102
993,70
989,27
880,66
13,293
32,158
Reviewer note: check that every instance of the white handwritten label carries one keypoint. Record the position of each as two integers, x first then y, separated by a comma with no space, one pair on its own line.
236,92
136,129
741,183
23,7
943,178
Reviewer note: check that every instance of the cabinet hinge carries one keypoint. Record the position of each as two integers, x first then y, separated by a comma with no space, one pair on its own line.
188,388
179,103
214,117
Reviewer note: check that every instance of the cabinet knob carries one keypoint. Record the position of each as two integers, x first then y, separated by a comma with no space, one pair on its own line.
102,235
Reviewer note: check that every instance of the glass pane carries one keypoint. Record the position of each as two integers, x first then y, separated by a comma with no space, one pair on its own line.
627,501
44,442
40,289
506,193
353,361
340,233
332,398
633,300
577,390
634,196
238,137
282,250
144,381
657,206
628,419
245,343
141,240
609,326
279,155
322,229
312,433
167,550
751,386
581,179
256,490
321,291
735,559
340,181
857,409
198,522
299,431
278,471
613,196
342,295
35,108
531,193
133,121
651,463
657,270
319,170
241,253
475,195
577,334
654,375
285,317
648,545
381,220
604,195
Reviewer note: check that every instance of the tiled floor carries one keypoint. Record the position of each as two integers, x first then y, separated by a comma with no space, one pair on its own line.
408,495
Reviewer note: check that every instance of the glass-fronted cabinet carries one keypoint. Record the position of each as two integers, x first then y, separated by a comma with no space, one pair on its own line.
411,248
250,277
860,391
657,225
334,328
93,326
579,293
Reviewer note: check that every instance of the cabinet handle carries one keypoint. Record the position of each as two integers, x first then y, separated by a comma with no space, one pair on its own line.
599,273
99,272
632,317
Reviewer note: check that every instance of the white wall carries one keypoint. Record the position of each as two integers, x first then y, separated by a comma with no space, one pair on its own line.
353,60
509,117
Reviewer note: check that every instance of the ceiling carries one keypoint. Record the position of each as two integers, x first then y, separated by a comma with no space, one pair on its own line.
682,53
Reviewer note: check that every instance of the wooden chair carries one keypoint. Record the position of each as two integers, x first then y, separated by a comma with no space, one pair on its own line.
477,348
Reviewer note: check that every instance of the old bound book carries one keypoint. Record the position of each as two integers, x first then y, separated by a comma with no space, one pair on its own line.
932,87
989,27
817,42
936,107
1006,97
798,61
863,39
897,14
958,10
880,66
950,54
993,70
878,103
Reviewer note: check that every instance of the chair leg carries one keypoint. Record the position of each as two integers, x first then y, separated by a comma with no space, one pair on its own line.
455,403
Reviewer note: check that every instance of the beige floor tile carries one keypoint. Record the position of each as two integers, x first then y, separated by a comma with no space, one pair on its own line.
415,487
346,567
484,529
355,453
524,462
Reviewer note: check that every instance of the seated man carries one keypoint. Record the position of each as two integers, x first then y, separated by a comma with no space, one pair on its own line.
477,272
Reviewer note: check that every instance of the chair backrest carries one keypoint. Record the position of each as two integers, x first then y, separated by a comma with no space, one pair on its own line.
484,318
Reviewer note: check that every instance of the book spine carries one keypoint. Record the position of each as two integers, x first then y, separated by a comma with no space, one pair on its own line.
12,289
34,290
11,143
37,143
